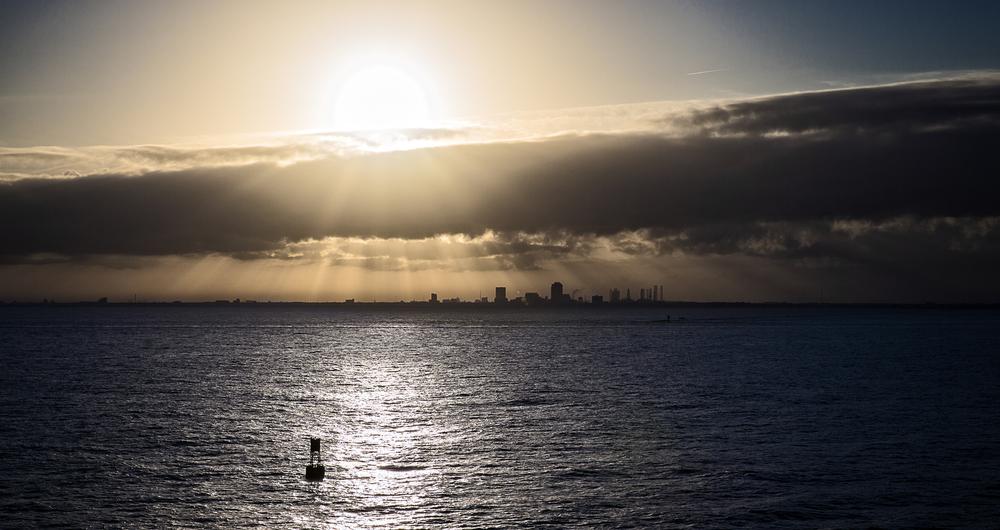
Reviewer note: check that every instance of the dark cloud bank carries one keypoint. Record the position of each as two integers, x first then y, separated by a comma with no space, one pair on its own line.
898,178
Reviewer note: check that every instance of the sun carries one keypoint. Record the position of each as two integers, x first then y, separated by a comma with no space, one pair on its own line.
381,97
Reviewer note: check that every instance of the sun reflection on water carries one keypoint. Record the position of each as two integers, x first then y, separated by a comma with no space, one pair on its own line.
378,433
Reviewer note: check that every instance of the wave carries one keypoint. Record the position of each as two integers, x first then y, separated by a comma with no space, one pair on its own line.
401,468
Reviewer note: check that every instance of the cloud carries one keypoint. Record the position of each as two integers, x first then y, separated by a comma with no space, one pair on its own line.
487,252
282,149
968,103
705,72
778,177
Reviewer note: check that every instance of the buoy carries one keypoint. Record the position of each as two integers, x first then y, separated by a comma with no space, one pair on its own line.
315,469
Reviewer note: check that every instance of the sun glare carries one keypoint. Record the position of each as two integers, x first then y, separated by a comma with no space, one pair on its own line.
381,97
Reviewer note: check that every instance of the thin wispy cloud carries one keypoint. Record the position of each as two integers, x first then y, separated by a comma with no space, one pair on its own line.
706,72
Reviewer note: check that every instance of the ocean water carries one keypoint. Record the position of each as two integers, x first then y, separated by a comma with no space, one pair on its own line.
733,418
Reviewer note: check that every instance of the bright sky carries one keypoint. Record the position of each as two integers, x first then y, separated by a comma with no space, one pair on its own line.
125,72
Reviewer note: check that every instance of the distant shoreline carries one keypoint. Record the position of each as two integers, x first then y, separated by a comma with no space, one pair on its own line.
481,306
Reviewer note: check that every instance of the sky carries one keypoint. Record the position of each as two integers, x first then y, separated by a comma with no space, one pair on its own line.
745,151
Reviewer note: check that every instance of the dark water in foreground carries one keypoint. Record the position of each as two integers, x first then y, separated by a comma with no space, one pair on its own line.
756,418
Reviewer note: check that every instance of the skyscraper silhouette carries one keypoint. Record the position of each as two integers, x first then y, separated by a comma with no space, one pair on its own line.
556,293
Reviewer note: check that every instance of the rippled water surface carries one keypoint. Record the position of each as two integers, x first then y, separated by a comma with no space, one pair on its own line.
754,417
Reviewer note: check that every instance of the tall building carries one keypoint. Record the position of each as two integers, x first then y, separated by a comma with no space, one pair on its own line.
532,299
501,296
434,298
615,296
556,293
